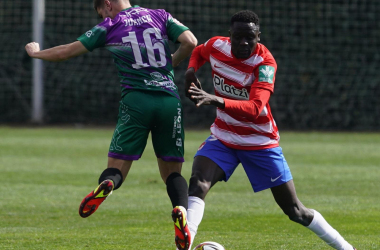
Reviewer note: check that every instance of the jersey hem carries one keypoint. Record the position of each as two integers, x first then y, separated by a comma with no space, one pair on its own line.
248,147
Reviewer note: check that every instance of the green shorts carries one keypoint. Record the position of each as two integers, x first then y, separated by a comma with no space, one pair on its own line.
141,112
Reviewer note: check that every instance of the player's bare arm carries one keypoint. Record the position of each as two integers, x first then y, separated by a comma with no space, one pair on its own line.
204,98
190,78
56,54
188,43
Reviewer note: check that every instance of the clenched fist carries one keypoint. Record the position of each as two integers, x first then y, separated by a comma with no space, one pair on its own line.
32,48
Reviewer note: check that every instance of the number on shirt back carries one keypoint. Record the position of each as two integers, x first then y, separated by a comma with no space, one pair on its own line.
150,47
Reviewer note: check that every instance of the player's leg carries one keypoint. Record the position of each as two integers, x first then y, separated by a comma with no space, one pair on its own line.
168,144
205,174
176,187
269,169
128,143
286,197
212,163
111,179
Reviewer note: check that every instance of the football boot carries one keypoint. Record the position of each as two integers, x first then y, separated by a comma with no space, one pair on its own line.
92,201
182,232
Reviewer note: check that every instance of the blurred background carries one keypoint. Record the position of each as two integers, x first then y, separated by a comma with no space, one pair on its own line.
327,54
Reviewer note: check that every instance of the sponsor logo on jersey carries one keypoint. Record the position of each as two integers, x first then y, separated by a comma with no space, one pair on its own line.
89,33
266,74
165,84
156,76
138,21
229,90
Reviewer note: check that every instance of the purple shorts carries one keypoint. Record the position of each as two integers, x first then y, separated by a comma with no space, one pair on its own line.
265,168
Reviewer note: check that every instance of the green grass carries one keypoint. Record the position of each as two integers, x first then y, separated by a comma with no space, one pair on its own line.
45,173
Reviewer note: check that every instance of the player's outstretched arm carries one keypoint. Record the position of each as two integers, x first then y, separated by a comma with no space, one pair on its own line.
56,54
204,98
188,43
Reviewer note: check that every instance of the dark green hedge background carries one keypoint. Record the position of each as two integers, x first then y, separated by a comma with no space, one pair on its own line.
327,54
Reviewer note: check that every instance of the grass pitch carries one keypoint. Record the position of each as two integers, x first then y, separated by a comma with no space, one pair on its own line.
46,172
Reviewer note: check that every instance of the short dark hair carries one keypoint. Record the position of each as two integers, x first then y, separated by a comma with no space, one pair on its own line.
98,4
245,16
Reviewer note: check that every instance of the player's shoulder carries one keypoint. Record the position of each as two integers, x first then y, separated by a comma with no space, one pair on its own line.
106,24
138,11
216,41
135,10
135,16
160,14
212,40
265,54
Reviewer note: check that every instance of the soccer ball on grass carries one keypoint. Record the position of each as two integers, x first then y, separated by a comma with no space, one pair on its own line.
209,245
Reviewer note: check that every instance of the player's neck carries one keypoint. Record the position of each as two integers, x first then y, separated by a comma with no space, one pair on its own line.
124,5
121,6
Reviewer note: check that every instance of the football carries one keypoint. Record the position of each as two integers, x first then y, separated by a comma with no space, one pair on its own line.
209,245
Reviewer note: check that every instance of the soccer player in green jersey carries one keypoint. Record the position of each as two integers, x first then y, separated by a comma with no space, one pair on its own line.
138,39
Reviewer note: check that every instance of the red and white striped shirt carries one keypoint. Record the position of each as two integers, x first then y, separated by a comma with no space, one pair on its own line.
246,122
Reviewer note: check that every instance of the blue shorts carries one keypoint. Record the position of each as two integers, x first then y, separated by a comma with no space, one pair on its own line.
265,168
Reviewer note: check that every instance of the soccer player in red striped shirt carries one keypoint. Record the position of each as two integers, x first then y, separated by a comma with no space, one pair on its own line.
244,131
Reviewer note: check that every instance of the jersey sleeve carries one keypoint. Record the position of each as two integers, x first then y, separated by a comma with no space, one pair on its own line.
265,75
201,55
94,38
174,27
258,99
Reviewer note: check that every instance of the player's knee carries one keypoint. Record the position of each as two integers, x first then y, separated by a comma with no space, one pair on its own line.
298,215
198,187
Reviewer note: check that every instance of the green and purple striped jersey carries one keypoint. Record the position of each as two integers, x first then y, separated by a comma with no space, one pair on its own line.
138,39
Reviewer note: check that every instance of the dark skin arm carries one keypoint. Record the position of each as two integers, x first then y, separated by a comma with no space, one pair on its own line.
190,78
204,98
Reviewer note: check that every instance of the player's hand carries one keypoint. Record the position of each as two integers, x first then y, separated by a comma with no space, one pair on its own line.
204,98
190,78
32,48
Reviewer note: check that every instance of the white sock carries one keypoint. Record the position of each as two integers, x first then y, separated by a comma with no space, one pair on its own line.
327,233
194,215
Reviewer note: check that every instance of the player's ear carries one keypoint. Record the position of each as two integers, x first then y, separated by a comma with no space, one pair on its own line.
259,37
107,4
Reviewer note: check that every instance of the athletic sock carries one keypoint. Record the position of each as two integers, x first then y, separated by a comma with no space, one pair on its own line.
114,175
176,187
327,233
194,215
